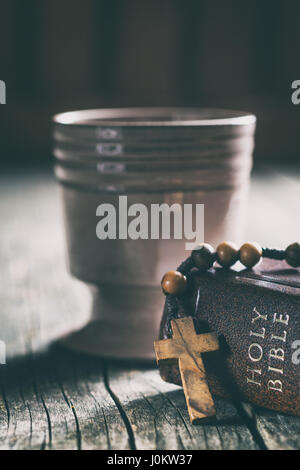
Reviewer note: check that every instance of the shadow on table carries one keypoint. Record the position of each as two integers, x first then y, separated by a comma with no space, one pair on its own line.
57,363
57,369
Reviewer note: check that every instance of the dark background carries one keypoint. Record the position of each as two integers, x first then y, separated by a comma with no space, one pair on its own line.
58,55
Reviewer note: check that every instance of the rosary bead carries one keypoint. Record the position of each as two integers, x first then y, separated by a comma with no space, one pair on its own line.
292,255
173,282
227,254
203,256
250,254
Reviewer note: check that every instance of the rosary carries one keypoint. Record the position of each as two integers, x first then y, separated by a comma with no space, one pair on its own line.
184,345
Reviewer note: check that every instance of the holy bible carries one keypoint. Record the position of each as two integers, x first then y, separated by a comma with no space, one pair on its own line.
256,317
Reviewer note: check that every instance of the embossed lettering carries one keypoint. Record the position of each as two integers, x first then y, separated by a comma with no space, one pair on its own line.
253,354
253,380
259,316
275,385
279,318
277,354
280,338
259,335
274,369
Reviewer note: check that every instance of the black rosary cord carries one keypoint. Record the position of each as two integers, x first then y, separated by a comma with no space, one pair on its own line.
185,268
273,253
171,299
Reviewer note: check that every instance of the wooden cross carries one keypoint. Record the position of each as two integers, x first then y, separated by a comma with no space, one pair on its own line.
187,347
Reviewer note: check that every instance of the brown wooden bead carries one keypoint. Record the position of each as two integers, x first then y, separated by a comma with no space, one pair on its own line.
203,256
292,255
227,254
250,254
173,282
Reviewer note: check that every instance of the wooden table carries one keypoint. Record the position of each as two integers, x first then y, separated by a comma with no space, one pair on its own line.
53,399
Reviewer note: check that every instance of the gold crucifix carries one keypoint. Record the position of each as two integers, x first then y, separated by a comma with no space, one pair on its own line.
187,347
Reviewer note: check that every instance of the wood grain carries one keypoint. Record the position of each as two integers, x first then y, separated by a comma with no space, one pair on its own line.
54,399
279,432
159,417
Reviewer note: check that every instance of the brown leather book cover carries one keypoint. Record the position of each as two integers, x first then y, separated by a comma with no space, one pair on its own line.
256,315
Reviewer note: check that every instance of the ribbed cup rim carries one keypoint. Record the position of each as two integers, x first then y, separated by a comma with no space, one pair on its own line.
155,117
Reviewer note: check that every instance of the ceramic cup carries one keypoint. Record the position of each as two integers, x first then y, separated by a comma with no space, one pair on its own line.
151,156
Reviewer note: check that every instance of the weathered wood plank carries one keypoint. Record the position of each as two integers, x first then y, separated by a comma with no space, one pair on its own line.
61,400
15,427
42,405
158,416
39,300
58,400
99,423
279,432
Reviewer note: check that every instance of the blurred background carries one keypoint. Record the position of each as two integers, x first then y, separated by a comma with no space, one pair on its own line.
58,55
